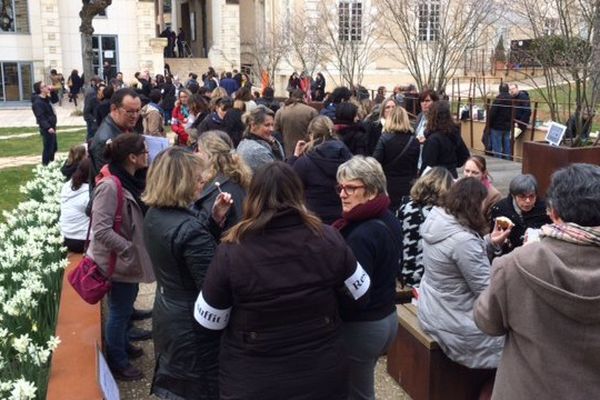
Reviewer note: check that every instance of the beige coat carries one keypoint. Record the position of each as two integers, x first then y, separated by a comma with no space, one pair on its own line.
153,121
133,263
292,121
546,298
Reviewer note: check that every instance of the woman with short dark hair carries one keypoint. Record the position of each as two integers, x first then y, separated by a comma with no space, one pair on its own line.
280,312
545,298
524,208
457,255
350,129
444,146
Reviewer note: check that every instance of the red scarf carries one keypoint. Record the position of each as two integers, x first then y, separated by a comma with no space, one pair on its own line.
371,209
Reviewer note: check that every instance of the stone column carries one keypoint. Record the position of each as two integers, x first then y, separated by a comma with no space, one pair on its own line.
224,53
50,40
147,43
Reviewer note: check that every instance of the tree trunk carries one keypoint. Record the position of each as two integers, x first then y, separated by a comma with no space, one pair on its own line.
88,11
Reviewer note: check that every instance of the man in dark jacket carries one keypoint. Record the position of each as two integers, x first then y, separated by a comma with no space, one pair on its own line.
522,106
500,123
229,84
45,118
125,110
90,103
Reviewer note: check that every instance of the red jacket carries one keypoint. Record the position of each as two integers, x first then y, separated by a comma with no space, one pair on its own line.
178,125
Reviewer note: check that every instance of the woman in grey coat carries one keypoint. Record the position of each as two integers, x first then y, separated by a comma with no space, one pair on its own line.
457,269
259,147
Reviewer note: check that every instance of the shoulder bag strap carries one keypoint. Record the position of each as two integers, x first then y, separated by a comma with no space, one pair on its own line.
117,224
406,146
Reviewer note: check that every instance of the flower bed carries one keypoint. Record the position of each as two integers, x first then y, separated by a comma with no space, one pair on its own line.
32,260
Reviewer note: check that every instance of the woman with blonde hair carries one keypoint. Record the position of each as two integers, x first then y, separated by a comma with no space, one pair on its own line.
181,247
280,312
424,195
398,152
226,171
316,163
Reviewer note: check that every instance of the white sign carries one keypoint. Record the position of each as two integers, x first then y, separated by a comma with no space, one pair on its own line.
107,382
109,54
555,133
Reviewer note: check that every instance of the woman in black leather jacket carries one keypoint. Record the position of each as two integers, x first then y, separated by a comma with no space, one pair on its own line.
181,246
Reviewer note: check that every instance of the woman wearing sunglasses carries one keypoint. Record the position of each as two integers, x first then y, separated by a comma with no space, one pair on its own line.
374,235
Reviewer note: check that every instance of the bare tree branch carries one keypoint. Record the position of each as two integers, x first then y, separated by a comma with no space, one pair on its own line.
433,62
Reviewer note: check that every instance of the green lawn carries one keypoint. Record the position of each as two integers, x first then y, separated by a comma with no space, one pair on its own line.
10,181
32,145
29,129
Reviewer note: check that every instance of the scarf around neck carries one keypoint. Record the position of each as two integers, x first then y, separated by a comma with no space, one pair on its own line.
371,209
573,233
134,184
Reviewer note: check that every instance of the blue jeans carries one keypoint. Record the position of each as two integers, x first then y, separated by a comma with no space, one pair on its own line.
120,307
365,342
500,143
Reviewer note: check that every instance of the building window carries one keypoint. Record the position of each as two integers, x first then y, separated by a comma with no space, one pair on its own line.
429,20
350,21
14,16
550,26
16,81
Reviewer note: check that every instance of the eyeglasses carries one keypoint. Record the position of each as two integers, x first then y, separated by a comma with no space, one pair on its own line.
530,196
130,112
390,106
348,189
426,101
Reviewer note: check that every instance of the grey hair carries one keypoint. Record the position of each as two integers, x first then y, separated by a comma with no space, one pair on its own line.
367,170
257,116
574,194
523,184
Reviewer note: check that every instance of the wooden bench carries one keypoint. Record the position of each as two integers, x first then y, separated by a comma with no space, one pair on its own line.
422,369
73,372
403,294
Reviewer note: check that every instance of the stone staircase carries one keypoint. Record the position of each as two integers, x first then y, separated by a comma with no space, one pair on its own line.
183,66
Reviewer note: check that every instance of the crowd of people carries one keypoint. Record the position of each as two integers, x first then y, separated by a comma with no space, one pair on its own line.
277,234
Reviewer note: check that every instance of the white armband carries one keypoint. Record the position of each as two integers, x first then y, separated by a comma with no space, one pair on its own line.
358,283
210,317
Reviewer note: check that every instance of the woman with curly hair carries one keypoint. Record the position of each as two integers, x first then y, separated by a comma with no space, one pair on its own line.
226,172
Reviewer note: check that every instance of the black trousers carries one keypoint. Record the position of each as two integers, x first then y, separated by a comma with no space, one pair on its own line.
75,245
50,146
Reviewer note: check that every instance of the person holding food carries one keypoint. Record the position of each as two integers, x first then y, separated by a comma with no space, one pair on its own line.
522,209
457,254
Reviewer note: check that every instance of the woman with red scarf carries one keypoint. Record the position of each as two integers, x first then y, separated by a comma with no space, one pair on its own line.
374,235
180,115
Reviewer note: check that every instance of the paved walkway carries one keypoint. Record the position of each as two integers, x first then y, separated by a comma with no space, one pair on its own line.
23,116
9,162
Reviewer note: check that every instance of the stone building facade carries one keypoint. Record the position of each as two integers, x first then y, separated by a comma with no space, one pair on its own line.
44,34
